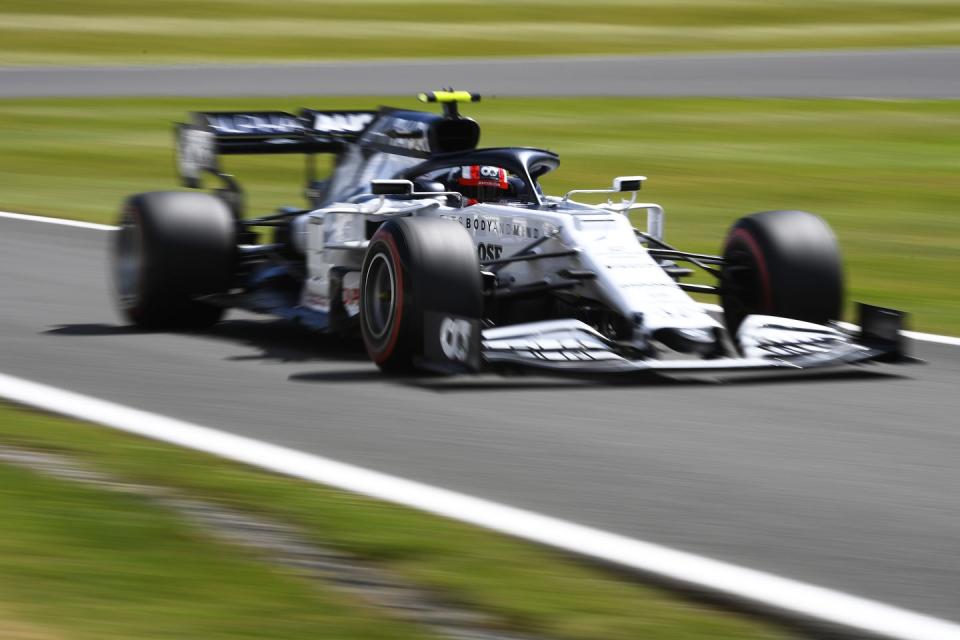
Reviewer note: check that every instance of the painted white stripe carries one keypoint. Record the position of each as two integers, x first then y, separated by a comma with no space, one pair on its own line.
826,605
931,337
913,335
61,221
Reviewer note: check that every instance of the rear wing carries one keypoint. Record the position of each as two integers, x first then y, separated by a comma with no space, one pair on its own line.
212,134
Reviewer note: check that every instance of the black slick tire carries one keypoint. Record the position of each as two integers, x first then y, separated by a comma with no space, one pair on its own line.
781,263
173,247
414,266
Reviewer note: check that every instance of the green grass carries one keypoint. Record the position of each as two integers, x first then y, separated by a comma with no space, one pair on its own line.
100,565
81,563
189,31
883,173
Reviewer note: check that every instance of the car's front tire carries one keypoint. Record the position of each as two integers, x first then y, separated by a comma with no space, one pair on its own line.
415,266
781,263
173,247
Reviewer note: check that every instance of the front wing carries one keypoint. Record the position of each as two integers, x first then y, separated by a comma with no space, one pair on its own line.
765,342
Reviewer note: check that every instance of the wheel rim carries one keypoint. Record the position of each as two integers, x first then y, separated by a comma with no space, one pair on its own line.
128,265
379,296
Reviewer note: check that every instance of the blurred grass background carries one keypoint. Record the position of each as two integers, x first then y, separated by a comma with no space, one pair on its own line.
884,173
191,31
90,564
85,563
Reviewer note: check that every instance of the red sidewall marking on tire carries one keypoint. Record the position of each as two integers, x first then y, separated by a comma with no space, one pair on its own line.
761,266
398,302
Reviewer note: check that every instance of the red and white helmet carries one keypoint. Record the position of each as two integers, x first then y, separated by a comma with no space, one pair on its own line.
479,183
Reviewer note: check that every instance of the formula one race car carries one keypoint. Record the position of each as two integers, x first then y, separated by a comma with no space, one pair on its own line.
447,257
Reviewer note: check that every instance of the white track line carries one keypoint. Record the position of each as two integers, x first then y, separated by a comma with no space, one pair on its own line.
913,335
61,221
758,588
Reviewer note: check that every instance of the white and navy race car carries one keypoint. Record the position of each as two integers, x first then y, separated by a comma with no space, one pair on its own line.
447,257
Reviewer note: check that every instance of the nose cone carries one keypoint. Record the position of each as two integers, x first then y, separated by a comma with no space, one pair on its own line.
698,341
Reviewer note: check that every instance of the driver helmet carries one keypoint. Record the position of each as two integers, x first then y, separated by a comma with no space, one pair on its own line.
480,183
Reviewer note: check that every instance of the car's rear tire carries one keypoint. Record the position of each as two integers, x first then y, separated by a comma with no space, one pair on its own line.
781,263
414,266
172,247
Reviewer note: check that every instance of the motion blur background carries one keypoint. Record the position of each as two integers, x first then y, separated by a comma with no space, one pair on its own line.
83,560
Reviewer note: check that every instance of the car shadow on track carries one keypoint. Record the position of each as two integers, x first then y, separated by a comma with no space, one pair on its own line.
272,340
285,342
648,380
91,329
485,383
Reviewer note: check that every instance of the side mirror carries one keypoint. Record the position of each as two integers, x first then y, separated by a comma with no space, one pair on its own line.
628,183
407,188
621,184
391,187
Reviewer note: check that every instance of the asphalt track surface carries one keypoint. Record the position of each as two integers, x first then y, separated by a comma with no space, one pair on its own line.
846,481
904,73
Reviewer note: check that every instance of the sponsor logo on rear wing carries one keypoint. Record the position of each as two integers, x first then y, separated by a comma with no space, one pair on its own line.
343,124
259,124
310,123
